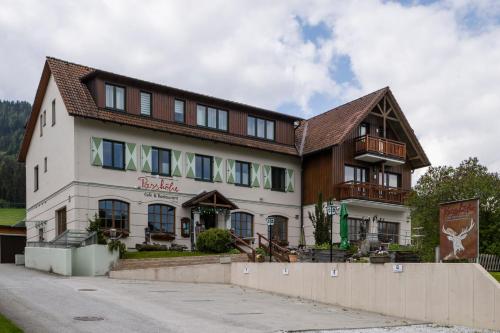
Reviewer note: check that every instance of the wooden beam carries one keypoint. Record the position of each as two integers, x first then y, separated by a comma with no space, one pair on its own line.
380,115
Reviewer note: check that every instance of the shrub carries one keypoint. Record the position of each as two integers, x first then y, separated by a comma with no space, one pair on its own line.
214,241
115,244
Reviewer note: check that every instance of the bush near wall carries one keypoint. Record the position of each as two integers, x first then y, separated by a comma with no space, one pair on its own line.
214,241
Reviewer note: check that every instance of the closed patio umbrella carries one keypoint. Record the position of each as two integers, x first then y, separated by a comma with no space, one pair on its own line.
344,232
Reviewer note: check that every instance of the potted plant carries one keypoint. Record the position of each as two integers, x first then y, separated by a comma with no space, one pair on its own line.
292,256
380,257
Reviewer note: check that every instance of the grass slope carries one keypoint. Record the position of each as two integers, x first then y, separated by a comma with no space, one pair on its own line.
6,326
10,216
496,275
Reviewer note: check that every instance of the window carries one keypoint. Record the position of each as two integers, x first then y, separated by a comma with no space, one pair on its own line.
388,232
242,224
41,124
389,179
280,229
179,110
115,97
145,103
53,112
160,161
363,129
357,229
185,227
242,173
203,168
35,178
45,164
211,117
114,154
161,218
355,174
277,179
40,235
260,128
114,214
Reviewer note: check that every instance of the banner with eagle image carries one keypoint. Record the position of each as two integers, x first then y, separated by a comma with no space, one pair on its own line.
459,229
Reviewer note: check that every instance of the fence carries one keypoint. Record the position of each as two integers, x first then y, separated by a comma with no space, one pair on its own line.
490,262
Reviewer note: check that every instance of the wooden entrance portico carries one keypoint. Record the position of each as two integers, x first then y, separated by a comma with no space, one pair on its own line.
209,210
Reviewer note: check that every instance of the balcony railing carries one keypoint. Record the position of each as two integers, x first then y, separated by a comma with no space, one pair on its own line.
380,146
373,192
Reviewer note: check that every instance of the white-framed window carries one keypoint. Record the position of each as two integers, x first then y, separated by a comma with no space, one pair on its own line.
211,117
260,128
115,97
179,108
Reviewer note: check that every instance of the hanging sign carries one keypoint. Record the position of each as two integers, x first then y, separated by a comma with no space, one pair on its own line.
459,229
332,209
270,221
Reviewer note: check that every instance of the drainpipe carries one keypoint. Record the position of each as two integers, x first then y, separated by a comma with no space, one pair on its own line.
302,232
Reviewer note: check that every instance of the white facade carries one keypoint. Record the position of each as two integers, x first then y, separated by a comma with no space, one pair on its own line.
71,181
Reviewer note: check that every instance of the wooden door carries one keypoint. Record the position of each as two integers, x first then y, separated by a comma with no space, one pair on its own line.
61,220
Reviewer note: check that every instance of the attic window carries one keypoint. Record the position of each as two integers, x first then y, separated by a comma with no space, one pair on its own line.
115,97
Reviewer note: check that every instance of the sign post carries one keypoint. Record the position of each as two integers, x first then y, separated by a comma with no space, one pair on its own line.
331,210
270,223
459,230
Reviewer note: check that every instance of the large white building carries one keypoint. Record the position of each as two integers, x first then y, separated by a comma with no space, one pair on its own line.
155,161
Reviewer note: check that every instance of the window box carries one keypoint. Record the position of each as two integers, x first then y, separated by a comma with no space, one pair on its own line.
380,258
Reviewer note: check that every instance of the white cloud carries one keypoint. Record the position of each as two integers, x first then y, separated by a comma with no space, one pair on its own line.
440,60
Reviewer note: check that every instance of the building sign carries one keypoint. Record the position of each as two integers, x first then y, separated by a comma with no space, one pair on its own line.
459,229
157,184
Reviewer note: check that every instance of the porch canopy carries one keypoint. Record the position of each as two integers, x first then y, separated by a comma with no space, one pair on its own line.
212,199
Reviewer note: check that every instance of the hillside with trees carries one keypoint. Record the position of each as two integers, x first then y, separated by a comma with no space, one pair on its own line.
13,116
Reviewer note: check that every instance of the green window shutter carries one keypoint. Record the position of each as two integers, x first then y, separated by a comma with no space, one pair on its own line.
217,169
130,156
176,163
146,158
230,171
96,153
190,165
267,176
289,180
255,175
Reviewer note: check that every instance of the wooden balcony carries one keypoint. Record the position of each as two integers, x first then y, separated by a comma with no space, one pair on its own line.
374,149
372,192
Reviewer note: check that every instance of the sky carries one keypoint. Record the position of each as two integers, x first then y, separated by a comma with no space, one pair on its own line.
441,59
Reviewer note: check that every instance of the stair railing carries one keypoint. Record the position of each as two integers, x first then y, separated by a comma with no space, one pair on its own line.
279,252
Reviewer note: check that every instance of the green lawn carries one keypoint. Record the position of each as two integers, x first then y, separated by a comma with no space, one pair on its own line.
10,216
6,326
163,254
496,275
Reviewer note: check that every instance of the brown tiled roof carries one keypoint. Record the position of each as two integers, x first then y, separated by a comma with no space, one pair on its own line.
330,128
79,102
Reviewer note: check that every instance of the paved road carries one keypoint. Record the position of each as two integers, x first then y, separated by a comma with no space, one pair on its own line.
40,302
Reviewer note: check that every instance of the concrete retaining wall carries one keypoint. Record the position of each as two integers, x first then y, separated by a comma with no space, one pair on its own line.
449,294
49,259
205,273
90,260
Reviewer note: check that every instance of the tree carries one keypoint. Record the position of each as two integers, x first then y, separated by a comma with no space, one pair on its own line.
444,183
320,222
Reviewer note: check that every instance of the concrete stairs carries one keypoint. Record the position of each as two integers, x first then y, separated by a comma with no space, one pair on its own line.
132,264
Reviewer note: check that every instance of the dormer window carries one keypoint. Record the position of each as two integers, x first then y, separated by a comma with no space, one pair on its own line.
115,97
260,128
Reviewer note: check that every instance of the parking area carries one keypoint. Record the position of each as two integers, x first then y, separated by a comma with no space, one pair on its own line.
40,302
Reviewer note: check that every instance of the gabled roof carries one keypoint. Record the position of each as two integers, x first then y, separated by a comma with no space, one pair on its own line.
333,127
210,199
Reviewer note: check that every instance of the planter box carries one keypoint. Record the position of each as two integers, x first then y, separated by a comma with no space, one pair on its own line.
314,255
380,259
404,256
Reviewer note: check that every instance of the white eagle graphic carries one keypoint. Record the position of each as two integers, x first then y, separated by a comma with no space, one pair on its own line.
456,239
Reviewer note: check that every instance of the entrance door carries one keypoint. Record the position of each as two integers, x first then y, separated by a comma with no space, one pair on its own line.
208,221
61,220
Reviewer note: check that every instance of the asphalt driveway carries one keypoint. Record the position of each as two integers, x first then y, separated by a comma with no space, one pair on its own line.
40,302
